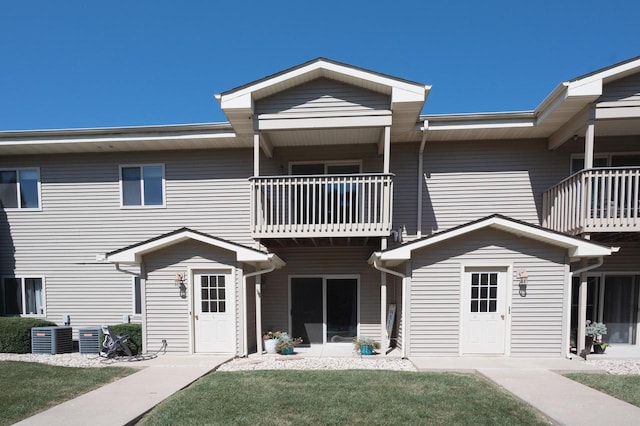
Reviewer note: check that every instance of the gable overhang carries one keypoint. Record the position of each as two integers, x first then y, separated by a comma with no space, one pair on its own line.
577,248
133,254
407,98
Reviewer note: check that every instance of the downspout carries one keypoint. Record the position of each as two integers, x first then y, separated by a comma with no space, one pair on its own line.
118,268
377,265
244,297
424,129
590,267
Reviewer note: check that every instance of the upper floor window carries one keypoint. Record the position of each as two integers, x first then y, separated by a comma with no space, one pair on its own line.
23,296
606,160
142,185
20,189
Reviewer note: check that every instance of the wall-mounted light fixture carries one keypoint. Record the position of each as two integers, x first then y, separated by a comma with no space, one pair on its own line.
523,278
181,282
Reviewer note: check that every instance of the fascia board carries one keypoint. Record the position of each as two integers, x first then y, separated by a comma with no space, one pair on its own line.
575,247
134,255
589,89
115,139
326,69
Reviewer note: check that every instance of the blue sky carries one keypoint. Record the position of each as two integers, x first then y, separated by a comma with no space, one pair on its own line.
68,64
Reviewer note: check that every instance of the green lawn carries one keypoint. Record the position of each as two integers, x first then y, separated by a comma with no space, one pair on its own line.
27,388
626,388
342,398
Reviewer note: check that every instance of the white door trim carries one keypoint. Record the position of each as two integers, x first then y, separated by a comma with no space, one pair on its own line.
505,290
192,272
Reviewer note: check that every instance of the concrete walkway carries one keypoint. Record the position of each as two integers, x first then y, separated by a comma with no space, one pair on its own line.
539,383
125,400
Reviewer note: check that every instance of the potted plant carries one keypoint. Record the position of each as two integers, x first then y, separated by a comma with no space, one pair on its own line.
286,343
365,345
270,340
593,335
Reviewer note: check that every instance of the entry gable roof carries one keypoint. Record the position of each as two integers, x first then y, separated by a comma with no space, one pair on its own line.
133,253
577,247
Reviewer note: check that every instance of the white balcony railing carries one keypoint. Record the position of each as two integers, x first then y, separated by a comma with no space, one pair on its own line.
594,200
321,206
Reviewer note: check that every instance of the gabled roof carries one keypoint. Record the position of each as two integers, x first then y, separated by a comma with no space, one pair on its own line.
133,253
577,247
551,119
407,97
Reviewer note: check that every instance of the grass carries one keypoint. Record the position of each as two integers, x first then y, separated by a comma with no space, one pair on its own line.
626,388
27,388
341,398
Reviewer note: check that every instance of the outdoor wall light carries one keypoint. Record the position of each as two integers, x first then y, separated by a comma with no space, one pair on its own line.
179,280
523,278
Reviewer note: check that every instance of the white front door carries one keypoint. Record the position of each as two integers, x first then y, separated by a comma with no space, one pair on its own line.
214,318
484,312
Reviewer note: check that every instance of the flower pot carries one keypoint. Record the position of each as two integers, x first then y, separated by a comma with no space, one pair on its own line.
366,350
270,345
286,351
598,349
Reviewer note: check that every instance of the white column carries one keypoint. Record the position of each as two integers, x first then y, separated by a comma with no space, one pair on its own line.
383,304
259,313
582,309
387,148
256,153
589,139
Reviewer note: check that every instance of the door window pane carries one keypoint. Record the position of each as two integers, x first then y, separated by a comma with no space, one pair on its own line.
484,292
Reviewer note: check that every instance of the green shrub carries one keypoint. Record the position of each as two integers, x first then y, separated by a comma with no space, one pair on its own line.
135,335
15,333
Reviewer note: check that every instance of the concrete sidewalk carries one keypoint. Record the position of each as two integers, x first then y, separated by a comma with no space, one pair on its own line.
125,400
539,383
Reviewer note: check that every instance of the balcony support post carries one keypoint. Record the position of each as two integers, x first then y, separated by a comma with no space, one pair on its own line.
387,147
256,153
582,309
384,339
589,139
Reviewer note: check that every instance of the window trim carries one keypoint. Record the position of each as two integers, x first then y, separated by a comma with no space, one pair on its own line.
327,163
39,189
22,278
142,205
607,155
134,296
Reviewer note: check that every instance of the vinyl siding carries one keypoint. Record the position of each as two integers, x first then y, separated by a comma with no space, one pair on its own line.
626,260
323,96
536,320
318,262
167,313
621,93
81,217
465,181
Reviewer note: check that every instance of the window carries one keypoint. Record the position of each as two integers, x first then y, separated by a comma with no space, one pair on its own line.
142,185
137,296
484,291
22,296
213,290
19,189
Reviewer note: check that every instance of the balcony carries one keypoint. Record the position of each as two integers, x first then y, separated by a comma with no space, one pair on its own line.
314,206
594,200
